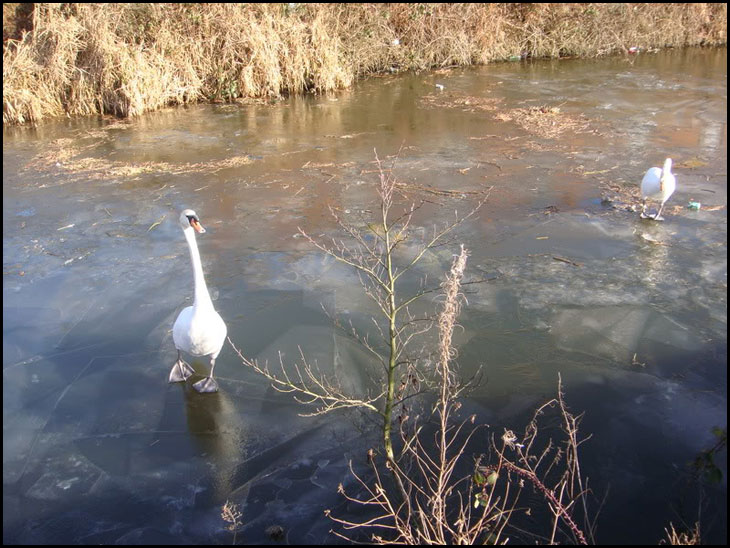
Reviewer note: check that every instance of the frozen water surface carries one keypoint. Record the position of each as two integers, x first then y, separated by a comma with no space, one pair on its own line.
99,448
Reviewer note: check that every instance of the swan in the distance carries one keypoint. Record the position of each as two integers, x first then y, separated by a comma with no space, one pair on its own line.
199,330
658,183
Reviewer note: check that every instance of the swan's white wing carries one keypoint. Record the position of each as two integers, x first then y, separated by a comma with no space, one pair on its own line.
650,182
181,329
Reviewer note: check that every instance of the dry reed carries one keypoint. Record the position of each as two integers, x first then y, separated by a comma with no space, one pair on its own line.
125,59
681,538
547,122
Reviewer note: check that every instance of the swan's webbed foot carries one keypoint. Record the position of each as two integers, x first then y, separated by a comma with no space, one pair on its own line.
208,384
644,216
181,371
658,216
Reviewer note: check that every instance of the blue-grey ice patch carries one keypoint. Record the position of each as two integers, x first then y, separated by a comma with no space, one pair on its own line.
570,235
605,332
27,212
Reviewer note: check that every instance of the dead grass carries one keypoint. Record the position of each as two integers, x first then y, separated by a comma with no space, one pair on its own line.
683,538
74,158
465,103
542,121
125,59
545,121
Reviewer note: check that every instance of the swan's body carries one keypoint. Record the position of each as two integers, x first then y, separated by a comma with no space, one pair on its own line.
199,330
658,183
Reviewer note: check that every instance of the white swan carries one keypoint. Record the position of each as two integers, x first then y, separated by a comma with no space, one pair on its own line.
658,183
199,330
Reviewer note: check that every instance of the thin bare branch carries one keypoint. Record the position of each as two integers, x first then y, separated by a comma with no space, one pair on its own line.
308,386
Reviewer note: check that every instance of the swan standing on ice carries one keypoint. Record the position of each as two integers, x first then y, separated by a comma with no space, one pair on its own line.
657,183
199,330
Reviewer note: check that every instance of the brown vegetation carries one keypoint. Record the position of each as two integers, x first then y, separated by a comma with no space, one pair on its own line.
438,494
677,538
545,121
74,158
425,486
125,59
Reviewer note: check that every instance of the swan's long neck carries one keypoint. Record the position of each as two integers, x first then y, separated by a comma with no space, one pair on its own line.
667,166
202,298
666,172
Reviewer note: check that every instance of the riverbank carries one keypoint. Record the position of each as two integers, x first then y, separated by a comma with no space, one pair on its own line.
126,59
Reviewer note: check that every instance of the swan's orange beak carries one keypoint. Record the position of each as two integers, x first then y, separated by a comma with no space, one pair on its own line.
197,226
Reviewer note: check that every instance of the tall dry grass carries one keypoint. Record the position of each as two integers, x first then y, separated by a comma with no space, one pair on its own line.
125,59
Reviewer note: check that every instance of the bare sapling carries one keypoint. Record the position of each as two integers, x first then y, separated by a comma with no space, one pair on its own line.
436,491
375,250
441,495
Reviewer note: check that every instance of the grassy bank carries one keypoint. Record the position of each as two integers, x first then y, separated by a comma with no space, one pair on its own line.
125,59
